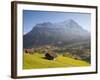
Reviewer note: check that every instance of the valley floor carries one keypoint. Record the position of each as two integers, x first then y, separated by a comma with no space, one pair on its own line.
36,60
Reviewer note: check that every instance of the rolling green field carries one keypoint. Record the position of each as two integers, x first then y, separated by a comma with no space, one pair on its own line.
37,60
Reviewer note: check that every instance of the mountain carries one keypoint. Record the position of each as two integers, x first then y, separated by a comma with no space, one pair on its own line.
59,34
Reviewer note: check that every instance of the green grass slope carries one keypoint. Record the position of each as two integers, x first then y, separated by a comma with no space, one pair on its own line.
38,61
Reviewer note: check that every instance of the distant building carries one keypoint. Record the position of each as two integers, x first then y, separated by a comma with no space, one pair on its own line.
30,51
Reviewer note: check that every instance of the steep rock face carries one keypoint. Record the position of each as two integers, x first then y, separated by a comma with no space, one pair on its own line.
62,33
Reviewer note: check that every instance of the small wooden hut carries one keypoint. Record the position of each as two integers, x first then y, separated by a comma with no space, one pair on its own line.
50,55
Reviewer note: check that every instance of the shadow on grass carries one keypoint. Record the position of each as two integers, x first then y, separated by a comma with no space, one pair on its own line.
43,57
46,58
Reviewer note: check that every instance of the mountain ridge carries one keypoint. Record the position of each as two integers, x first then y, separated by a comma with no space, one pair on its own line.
66,32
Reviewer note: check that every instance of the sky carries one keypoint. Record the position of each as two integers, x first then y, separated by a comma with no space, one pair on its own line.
31,18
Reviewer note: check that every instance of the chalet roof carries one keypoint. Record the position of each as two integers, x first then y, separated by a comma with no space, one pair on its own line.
52,54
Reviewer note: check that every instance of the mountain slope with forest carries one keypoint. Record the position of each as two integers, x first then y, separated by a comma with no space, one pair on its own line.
59,34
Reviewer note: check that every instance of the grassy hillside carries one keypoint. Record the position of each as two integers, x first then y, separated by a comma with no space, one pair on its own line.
38,61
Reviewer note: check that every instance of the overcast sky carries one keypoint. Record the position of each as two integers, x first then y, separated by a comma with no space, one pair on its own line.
31,18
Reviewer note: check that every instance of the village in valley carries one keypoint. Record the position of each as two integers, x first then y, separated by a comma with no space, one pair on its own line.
51,52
